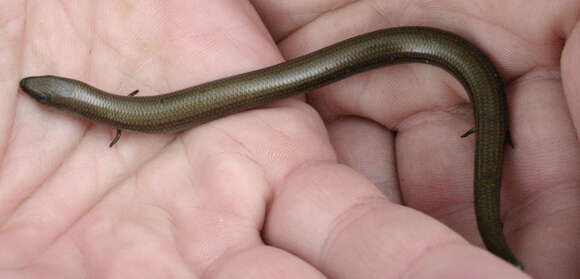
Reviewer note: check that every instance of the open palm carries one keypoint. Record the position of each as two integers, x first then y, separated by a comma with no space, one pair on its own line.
292,190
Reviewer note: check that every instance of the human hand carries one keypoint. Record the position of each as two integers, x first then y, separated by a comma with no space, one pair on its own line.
428,109
205,202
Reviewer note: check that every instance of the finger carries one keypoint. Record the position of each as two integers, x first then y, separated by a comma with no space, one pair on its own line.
542,182
367,147
570,73
338,221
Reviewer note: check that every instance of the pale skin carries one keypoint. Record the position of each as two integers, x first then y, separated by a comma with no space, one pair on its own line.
316,187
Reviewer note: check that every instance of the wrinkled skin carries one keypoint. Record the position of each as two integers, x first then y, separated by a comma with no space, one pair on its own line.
306,188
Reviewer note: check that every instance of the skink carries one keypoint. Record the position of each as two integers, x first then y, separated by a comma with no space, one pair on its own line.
180,110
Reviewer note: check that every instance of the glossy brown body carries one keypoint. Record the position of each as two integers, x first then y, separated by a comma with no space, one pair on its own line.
185,108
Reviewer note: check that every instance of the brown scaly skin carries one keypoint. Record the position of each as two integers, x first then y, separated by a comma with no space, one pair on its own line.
180,110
